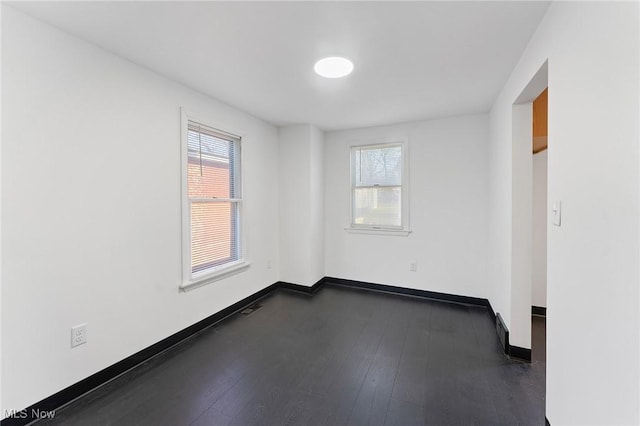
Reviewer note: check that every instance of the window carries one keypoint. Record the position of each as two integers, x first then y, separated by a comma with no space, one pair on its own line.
378,195
212,203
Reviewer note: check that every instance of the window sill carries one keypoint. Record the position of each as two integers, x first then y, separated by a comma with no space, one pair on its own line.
216,275
381,231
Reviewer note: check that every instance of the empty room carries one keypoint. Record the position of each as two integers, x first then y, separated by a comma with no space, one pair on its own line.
320,213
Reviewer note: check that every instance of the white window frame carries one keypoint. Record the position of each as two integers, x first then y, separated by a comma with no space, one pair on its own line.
404,228
194,280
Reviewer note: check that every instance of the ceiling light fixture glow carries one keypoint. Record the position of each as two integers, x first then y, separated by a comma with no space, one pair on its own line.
333,67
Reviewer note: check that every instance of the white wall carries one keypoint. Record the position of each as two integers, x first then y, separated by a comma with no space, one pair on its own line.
301,204
1,404
521,226
316,190
91,208
294,184
592,290
539,285
448,205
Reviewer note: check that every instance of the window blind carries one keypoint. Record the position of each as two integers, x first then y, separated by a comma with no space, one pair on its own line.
214,193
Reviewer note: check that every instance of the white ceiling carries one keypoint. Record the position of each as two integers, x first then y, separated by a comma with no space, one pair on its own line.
413,60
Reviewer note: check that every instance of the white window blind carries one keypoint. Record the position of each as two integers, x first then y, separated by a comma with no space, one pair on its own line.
376,184
214,197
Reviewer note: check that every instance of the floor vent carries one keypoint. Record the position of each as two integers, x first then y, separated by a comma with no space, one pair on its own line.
251,309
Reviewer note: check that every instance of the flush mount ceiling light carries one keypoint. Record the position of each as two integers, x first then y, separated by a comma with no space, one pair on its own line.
333,67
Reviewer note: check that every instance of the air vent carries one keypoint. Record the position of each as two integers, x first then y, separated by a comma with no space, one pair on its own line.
251,309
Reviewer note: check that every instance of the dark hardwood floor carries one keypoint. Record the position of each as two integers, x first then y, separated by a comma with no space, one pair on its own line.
343,356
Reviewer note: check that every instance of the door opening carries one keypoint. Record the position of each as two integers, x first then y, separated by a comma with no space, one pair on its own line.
522,209
539,228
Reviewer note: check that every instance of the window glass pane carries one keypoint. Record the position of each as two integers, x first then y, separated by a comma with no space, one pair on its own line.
378,166
210,169
377,206
213,234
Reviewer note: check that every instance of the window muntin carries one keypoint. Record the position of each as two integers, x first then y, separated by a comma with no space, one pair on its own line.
214,199
377,186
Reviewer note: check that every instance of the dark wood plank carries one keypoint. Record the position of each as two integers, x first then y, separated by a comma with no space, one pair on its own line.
341,356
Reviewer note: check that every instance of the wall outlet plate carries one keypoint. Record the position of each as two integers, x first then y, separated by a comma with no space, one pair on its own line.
413,266
78,335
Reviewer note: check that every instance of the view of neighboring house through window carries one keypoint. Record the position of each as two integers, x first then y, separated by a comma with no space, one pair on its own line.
376,186
214,198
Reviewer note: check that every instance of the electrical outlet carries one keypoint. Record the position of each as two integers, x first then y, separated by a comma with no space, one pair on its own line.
268,264
413,266
78,335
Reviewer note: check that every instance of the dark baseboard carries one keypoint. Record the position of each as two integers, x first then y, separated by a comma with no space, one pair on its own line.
301,288
454,298
523,354
67,395
503,333
98,379
539,310
546,421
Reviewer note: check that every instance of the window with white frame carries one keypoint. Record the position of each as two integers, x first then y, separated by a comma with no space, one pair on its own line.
211,202
378,196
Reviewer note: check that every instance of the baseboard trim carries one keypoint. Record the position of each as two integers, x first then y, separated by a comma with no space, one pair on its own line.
301,288
546,421
102,377
77,390
539,310
425,294
523,354
503,333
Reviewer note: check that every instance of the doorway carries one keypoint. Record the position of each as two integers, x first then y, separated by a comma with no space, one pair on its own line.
539,227
523,267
